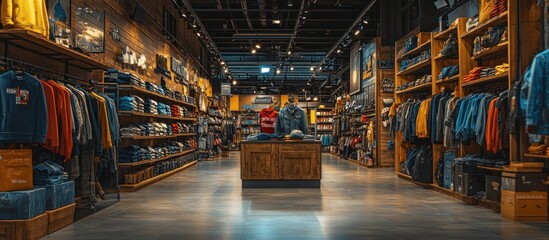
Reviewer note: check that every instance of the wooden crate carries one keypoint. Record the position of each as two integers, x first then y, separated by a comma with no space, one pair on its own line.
524,206
60,218
30,229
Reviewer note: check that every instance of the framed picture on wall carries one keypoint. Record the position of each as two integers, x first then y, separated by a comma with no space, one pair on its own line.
89,30
354,85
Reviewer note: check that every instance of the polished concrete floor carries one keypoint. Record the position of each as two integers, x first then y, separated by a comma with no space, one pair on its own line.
207,202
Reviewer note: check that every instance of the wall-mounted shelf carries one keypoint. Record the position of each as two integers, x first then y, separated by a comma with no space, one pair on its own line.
483,27
36,43
499,49
452,79
415,88
148,93
146,162
487,80
140,114
415,68
418,49
137,186
446,33
160,137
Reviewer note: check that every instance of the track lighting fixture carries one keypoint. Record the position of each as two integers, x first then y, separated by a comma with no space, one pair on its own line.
257,45
254,51
234,82
277,70
291,67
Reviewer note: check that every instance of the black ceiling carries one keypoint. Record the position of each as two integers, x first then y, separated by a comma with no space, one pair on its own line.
236,26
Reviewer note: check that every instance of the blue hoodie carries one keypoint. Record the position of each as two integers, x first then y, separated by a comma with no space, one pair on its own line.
23,109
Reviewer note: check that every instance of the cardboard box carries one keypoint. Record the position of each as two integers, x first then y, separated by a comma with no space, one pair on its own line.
59,195
60,218
22,204
524,206
523,182
16,169
31,229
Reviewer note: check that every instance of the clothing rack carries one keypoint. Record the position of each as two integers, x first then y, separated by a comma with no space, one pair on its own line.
42,71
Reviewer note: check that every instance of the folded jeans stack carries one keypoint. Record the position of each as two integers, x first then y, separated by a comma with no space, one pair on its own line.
48,173
164,110
151,106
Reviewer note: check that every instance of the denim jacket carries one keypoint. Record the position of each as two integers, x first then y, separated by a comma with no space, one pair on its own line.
537,100
291,119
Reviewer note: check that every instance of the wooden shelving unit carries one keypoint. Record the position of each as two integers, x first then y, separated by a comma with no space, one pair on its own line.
415,68
38,44
160,137
416,50
147,162
137,186
140,114
487,80
517,54
143,91
414,89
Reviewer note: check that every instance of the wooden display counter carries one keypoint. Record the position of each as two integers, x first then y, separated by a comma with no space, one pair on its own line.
288,164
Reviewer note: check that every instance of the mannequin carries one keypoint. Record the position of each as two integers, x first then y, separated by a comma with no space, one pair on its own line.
291,117
268,118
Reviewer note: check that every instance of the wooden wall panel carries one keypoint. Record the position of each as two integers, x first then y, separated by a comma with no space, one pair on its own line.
384,156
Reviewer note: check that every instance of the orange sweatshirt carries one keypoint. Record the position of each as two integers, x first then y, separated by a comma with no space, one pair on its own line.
52,135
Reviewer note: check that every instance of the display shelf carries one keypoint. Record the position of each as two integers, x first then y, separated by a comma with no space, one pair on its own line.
137,186
446,33
160,137
486,80
415,88
416,50
321,130
483,27
134,113
499,49
155,94
38,44
452,79
324,122
536,156
250,124
214,123
157,160
415,68
491,168
441,57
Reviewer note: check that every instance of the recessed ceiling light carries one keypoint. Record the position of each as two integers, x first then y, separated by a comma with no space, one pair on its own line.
291,67
276,21
278,71
254,51
222,62
257,45
234,82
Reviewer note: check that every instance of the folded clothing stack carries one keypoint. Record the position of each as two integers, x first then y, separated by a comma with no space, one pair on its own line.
405,64
164,110
151,106
48,173
177,111
151,87
155,129
478,160
131,103
485,72
178,95
423,80
474,74
449,71
115,76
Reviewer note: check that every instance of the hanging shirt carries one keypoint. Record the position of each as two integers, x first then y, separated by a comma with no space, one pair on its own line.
103,121
66,116
23,108
52,135
25,14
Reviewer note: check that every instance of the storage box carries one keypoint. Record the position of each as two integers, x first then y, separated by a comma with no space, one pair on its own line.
468,184
523,182
60,218
16,169
22,204
493,188
462,168
59,195
524,206
34,228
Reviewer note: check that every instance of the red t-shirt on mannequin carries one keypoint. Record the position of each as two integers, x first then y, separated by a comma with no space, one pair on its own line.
268,120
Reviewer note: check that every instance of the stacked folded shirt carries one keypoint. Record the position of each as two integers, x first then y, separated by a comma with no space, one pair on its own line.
474,74
502,68
405,64
48,173
485,72
151,87
499,8
164,110
423,80
131,103
151,106
155,129
178,95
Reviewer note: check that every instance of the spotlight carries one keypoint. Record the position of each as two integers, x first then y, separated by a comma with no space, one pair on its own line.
278,71
291,67
257,45
198,34
226,70
276,21
289,52
222,62
365,20
312,68
315,98
234,82
338,51
357,32
254,51
320,68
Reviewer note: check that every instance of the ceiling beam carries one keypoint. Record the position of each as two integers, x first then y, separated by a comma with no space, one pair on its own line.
331,10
